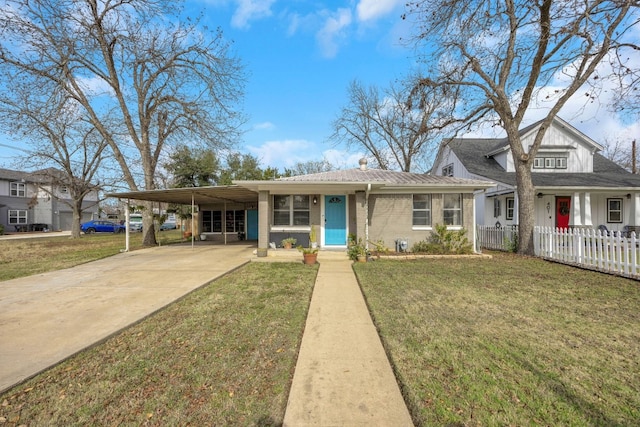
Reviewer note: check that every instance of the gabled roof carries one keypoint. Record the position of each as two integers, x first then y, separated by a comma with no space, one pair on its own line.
11,175
605,172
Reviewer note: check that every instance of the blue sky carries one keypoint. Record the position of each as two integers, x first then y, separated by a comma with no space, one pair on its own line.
301,55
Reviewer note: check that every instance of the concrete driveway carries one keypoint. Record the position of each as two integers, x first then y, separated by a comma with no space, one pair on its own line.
48,317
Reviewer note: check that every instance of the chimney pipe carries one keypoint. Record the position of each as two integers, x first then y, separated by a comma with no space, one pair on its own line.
634,169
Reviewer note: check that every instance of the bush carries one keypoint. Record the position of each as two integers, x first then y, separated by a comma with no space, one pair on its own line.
1,229
511,245
444,241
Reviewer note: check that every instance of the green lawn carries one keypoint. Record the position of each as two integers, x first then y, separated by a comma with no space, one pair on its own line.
504,341
224,355
509,341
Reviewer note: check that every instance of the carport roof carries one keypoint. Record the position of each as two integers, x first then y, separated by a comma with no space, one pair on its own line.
199,195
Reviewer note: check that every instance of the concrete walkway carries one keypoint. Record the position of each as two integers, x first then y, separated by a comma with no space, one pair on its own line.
343,376
48,317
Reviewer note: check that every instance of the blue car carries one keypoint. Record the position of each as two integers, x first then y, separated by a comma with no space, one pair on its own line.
168,226
101,226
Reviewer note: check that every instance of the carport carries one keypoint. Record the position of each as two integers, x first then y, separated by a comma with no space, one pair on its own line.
223,195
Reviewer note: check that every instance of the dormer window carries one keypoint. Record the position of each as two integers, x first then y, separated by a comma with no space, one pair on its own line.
548,162
448,170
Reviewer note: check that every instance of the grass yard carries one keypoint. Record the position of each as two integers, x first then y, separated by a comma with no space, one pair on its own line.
24,257
222,356
509,341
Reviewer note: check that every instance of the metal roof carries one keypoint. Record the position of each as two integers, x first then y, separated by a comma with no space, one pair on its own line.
199,195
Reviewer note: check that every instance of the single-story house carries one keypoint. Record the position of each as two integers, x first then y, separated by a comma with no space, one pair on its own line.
369,204
575,185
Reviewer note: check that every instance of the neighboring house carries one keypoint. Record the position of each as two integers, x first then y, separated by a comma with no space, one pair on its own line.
370,204
575,186
31,202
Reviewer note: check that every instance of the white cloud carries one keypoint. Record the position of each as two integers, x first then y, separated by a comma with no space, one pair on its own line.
264,126
370,10
342,159
285,153
333,30
95,86
250,10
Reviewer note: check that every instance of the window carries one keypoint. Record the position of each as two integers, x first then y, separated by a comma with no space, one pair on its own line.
421,209
538,163
18,189
17,216
511,206
291,210
234,221
496,208
212,221
64,189
452,212
549,163
614,210
561,162
448,170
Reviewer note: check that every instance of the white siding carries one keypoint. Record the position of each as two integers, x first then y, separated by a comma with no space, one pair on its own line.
448,157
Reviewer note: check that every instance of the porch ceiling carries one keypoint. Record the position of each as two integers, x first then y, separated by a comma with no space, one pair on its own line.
200,195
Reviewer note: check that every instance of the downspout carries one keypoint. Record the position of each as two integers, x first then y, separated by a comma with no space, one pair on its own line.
224,222
366,218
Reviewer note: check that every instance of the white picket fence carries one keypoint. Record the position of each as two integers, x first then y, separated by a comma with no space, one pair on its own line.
497,238
590,248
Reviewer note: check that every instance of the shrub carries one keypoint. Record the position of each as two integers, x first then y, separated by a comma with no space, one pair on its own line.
1,229
511,245
444,241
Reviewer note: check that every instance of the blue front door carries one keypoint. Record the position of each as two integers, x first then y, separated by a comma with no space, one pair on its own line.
252,224
335,220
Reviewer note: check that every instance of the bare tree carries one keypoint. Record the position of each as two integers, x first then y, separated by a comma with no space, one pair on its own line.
397,131
622,153
143,80
495,58
67,151
309,167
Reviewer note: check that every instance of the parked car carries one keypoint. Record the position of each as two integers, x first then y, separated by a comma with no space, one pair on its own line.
101,226
168,226
135,226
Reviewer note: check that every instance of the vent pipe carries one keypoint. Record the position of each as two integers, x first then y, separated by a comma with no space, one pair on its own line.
363,164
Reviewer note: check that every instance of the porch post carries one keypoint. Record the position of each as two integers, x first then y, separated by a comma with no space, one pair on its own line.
587,210
574,219
634,210
263,223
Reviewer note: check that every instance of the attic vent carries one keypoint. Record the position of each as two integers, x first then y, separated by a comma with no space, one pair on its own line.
363,164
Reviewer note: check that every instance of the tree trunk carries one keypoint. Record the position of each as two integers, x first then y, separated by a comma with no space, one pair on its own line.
77,215
148,230
526,208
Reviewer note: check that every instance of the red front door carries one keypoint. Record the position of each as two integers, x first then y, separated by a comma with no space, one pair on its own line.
563,209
